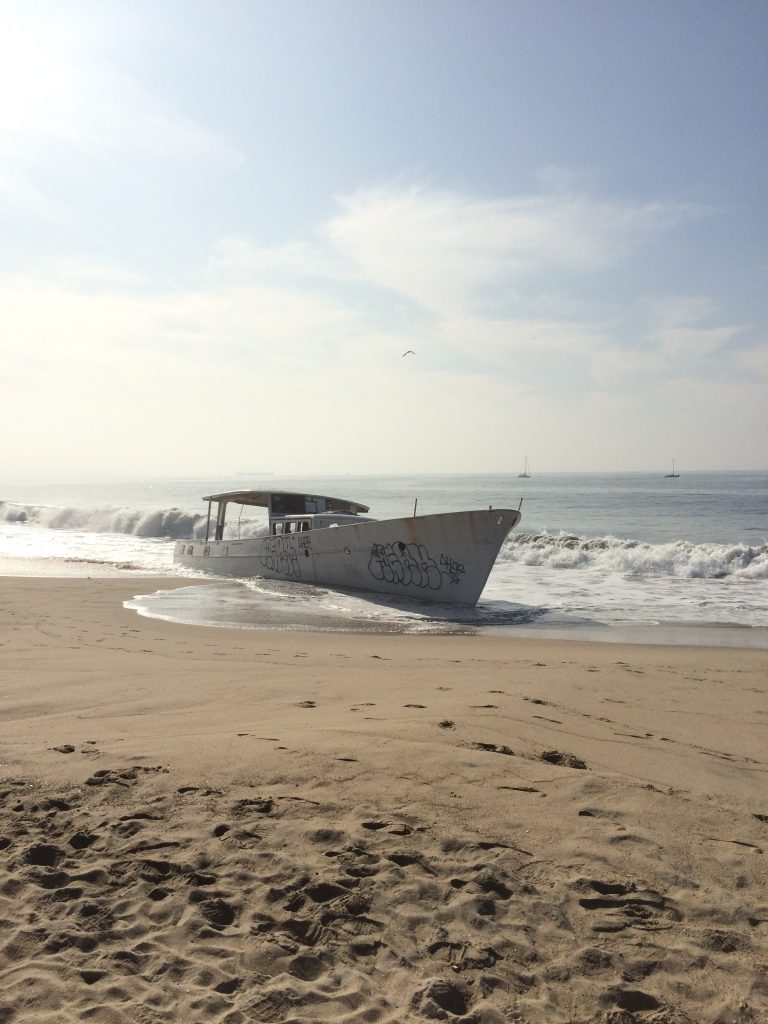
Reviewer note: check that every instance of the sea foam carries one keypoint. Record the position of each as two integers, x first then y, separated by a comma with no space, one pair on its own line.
637,558
170,524
606,555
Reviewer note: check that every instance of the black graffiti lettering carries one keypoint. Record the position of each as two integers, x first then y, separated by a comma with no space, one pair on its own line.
454,570
405,564
380,564
421,568
280,556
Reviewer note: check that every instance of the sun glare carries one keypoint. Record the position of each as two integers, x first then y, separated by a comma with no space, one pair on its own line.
37,77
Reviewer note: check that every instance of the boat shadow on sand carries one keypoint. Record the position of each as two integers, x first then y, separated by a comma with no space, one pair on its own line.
274,604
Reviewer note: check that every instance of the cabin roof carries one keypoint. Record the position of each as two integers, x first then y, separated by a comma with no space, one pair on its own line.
264,499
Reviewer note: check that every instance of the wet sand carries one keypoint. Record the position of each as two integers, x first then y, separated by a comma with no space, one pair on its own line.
231,603
204,824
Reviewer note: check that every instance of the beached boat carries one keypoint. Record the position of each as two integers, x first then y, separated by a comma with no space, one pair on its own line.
443,558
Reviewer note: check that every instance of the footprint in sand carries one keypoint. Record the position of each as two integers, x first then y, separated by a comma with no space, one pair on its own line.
43,855
228,987
91,977
258,804
720,940
82,840
307,968
562,759
404,860
439,998
496,748
127,777
218,913
461,956
306,704
631,1000
627,907
201,879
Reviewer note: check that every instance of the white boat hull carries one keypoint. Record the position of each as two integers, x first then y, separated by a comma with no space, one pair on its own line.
443,559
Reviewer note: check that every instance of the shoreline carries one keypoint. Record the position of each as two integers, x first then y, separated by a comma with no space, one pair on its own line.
690,634
204,610
243,825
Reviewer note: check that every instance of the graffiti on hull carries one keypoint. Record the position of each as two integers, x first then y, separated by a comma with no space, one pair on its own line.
279,555
411,565
453,570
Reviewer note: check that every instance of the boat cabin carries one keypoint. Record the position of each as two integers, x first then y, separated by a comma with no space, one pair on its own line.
317,521
289,512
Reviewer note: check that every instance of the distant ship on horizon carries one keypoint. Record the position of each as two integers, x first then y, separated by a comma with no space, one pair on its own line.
526,470
668,476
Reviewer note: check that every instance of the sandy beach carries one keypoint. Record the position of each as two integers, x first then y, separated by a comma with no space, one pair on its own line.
211,824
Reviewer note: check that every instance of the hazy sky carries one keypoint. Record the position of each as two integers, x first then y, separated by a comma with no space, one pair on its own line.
222,222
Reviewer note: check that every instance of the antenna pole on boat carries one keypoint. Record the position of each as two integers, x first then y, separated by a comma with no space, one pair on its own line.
208,523
520,505
416,502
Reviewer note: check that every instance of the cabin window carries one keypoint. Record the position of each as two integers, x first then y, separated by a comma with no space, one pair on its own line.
304,525
288,528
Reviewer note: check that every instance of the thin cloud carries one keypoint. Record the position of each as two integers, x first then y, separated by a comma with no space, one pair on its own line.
443,248
323,321
680,337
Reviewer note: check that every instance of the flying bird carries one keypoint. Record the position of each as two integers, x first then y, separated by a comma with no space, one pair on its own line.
410,352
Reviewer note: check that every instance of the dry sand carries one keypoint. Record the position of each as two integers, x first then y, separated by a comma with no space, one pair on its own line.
224,825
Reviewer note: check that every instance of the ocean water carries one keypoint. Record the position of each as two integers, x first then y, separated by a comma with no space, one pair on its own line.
605,556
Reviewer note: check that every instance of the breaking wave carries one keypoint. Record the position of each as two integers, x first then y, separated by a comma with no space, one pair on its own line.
637,558
170,524
605,555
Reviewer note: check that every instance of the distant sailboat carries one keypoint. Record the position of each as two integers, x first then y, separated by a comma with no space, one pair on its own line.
668,476
527,471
